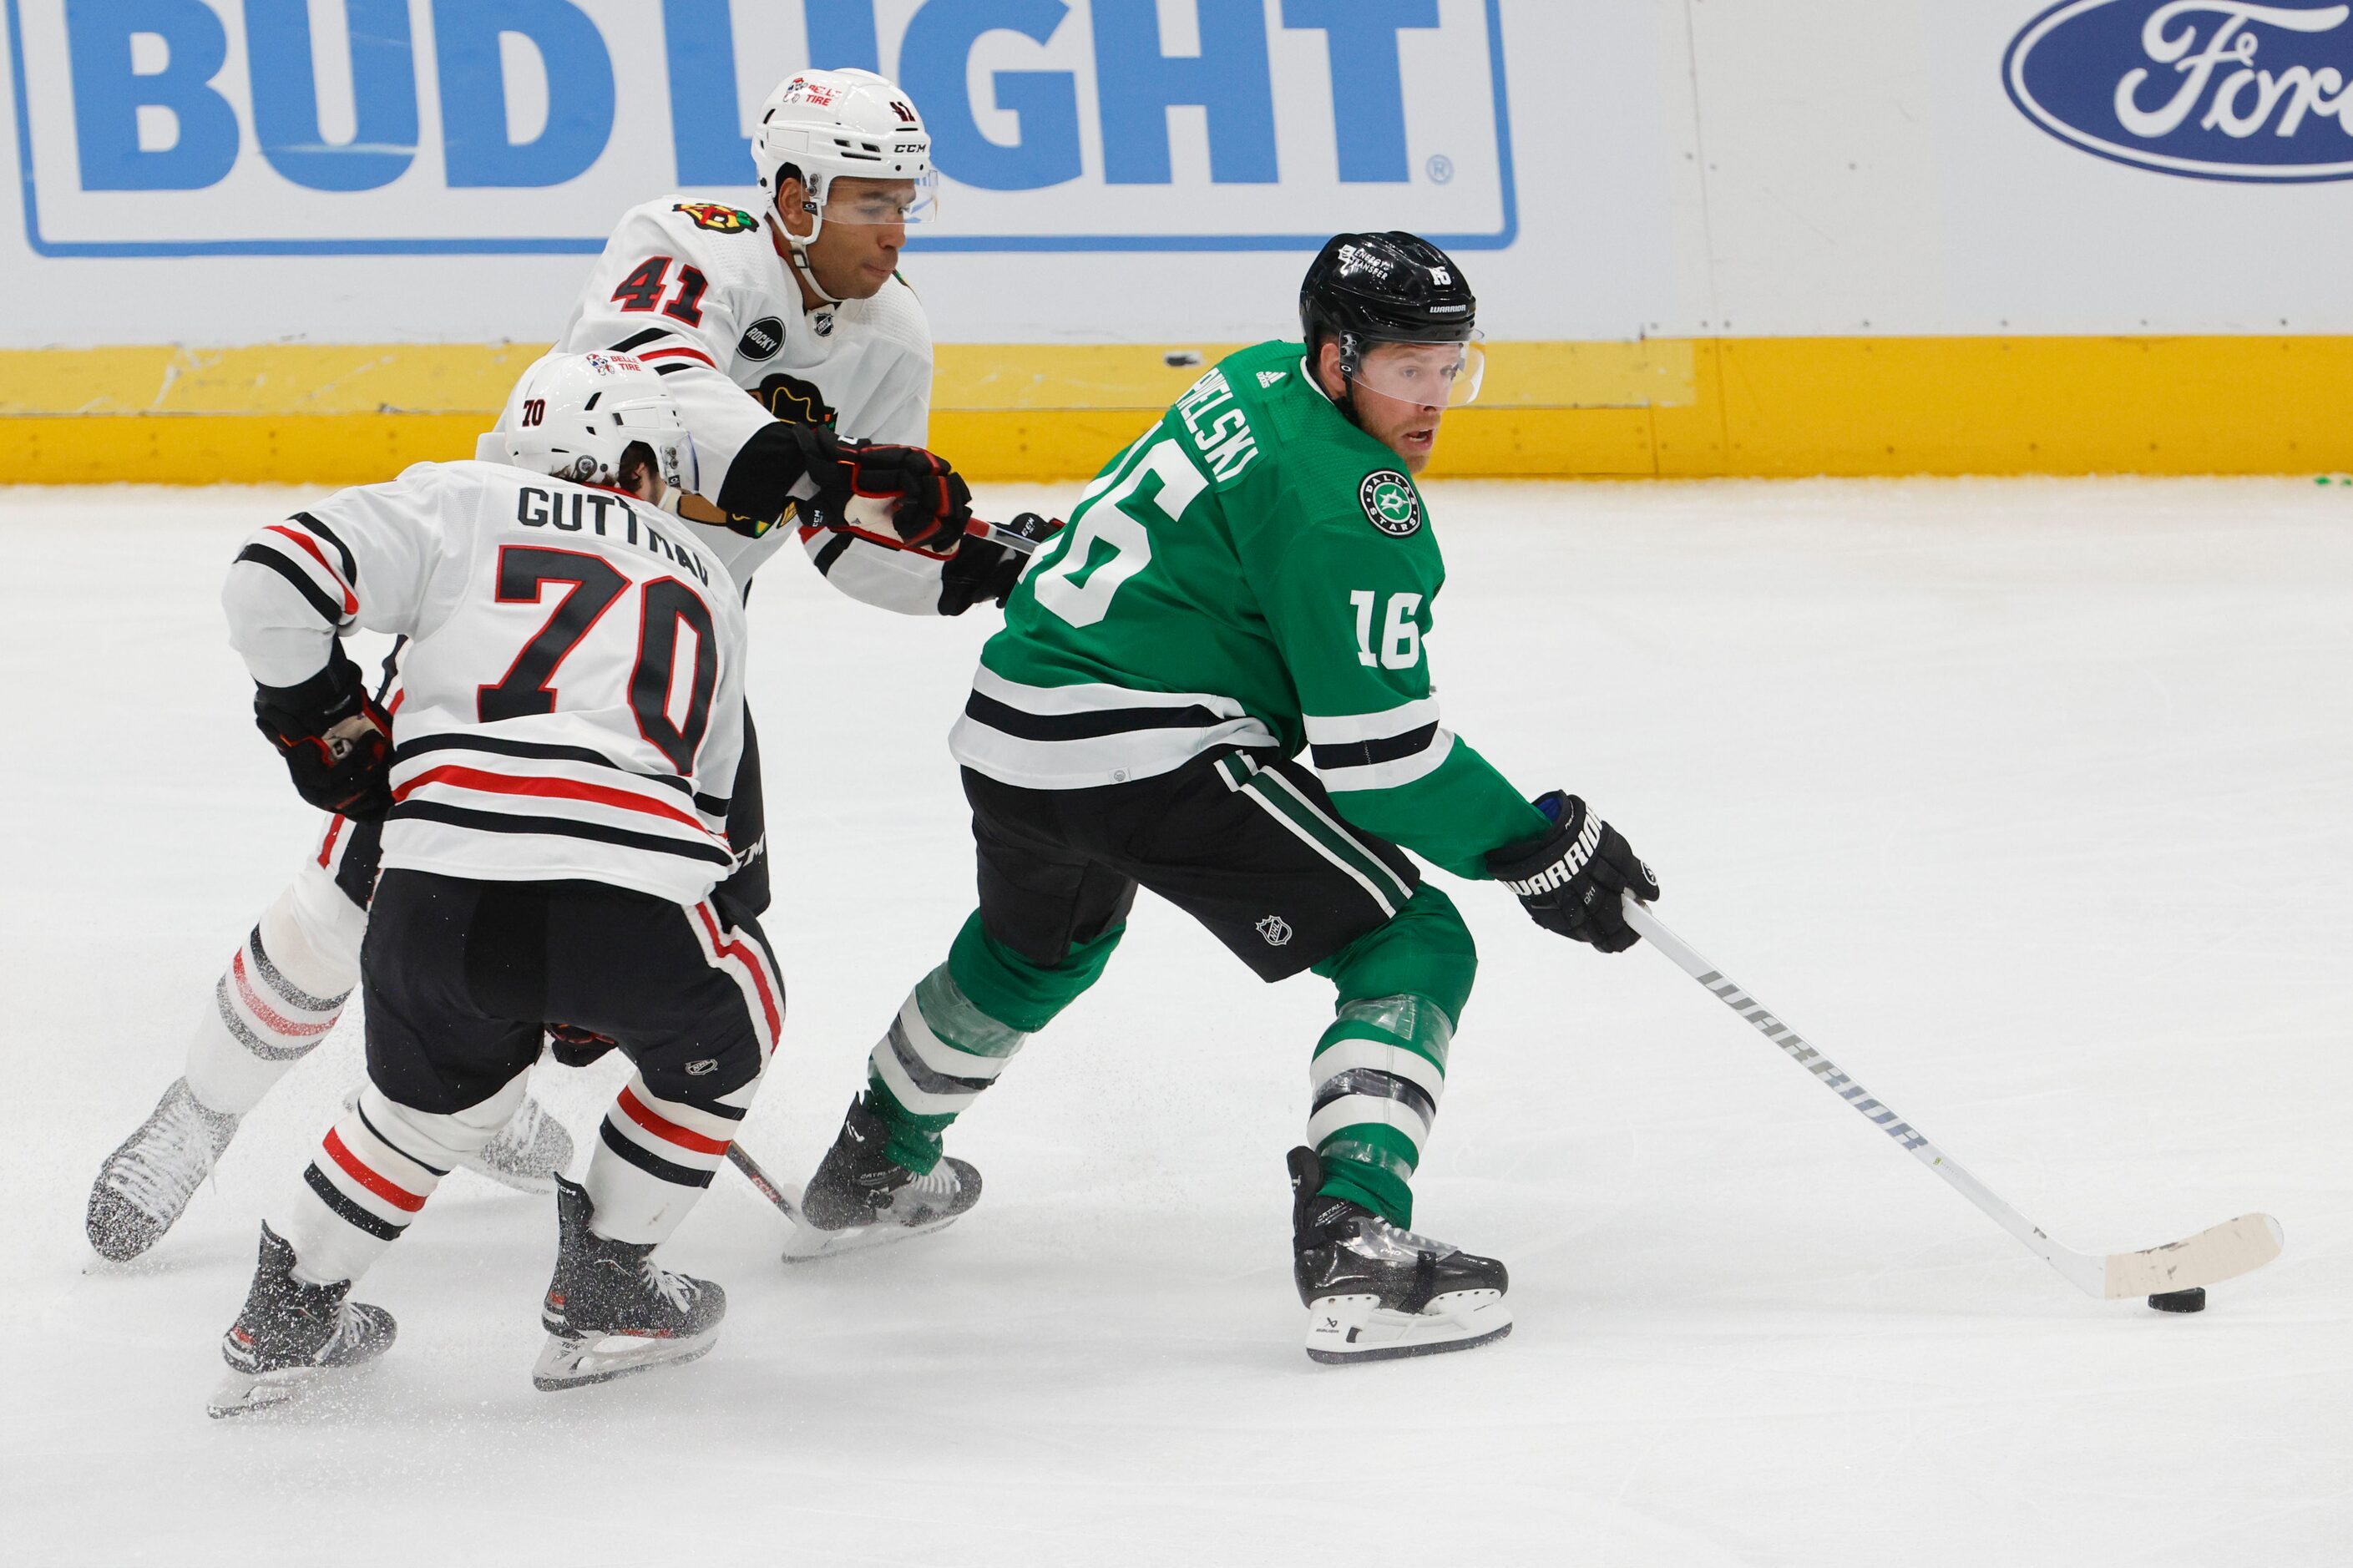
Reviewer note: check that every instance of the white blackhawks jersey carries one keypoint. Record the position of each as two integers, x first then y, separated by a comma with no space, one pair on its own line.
700,294
572,691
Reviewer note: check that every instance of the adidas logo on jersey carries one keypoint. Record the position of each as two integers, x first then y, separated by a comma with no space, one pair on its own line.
1267,378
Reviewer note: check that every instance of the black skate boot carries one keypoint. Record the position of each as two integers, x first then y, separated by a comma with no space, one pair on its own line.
145,1184
290,1332
611,1310
861,1197
1374,1292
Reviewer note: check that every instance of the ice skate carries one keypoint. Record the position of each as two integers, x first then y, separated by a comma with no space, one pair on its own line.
611,1310
861,1197
1376,1293
146,1184
528,1155
290,1333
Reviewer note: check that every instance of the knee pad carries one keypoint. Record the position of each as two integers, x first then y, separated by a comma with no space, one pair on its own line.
1424,950
437,1139
1019,993
313,932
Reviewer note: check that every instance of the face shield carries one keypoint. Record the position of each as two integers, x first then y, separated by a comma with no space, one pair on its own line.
876,202
1430,375
658,426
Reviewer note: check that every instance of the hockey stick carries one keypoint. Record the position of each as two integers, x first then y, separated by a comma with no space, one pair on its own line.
763,1185
2233,1248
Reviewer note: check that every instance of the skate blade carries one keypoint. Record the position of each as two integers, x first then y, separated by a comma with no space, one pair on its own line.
1344,1330
575,1361
249,1394
804,1243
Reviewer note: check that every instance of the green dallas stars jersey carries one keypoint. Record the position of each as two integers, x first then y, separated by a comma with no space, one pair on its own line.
1255,571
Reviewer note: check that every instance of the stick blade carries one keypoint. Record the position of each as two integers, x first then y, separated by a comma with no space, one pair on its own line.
2225,1251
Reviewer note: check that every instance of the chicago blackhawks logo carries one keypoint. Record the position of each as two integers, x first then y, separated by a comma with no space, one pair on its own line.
1389,504
717,218
790,397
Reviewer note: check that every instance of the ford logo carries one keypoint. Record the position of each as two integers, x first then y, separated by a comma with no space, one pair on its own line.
2214,89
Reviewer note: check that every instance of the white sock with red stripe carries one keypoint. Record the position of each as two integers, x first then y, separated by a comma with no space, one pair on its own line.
655,1158
372,1172
279,996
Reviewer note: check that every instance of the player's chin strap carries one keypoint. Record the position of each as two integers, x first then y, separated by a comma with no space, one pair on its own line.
796,252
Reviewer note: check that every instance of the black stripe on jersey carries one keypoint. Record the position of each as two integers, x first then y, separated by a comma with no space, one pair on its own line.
1085,726
639,340
342,553
501,746
1364,753
350,1212
835,548
375,1133
563,826
1379,1086
652,1164
671,369
262,555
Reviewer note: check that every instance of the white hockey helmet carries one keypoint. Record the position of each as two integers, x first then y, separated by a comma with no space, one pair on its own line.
828,125
575,417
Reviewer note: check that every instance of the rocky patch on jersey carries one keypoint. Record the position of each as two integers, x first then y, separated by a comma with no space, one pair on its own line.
718,220
1390,502
762,339
790,397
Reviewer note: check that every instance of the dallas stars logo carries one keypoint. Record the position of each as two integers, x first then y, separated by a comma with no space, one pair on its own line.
1389,504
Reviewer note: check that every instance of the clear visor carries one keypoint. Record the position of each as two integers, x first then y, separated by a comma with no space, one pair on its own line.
857,201
1434,375
657,426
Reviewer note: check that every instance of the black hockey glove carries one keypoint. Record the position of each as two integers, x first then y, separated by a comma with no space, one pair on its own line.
894,492
984,568
336,742
1569,880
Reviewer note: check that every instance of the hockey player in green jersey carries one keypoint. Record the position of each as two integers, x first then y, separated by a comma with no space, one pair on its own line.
1252,579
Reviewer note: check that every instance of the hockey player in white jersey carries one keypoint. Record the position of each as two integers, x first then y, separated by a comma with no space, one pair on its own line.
800,306
801,310
555,823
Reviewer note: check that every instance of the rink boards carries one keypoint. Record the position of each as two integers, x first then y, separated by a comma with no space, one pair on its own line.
1664,407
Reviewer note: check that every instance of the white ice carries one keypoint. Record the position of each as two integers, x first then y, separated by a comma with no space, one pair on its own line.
2027,802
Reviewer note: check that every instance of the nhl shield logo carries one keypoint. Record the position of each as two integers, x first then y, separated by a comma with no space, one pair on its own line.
1389,504
1275,928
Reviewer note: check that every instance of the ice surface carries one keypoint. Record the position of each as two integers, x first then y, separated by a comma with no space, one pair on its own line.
2026,801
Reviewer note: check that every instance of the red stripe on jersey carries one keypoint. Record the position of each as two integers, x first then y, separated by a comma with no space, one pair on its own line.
397,1196
662,1127
351,604
263,1011
327,845
563,789
678,353
749,956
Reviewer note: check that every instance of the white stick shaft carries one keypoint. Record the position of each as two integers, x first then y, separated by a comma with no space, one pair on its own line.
2083,1272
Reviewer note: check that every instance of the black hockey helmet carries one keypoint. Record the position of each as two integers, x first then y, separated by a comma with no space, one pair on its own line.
1388,287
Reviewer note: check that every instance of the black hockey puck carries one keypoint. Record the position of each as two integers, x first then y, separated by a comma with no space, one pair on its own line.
2190,1300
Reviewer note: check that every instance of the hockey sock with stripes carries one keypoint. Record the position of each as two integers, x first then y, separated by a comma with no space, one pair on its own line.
654,1156
958,1029
282,993
370,1175
1375,1079
931,1064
